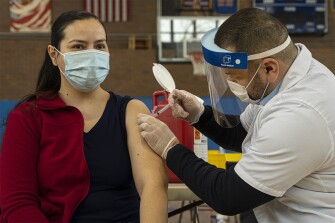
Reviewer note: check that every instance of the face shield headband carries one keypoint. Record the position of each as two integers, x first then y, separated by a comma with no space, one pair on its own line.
216,59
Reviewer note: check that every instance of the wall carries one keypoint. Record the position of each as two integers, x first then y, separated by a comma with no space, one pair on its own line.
21,55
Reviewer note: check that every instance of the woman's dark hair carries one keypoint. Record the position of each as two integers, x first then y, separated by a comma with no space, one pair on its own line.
48,81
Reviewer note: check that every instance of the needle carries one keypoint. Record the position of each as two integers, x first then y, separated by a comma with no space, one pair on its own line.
162,110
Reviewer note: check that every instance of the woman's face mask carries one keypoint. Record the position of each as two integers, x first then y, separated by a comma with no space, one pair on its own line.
241,91
85,69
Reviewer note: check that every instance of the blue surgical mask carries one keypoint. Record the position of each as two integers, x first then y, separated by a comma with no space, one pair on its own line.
85,69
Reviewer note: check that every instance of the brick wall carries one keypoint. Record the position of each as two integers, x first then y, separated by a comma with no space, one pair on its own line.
22,55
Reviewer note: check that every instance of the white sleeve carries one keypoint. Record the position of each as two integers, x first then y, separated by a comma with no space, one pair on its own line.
248,115
289,141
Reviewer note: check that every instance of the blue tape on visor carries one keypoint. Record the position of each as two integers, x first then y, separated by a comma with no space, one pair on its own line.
226,59
219,57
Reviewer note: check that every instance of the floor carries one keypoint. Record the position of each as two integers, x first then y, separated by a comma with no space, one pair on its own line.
205,215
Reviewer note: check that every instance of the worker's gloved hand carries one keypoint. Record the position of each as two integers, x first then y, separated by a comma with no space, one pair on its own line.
157,134
185,106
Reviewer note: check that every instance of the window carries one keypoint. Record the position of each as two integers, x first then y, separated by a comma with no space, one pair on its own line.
178,35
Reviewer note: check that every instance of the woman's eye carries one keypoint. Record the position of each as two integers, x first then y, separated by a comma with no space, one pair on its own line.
100,46
78,47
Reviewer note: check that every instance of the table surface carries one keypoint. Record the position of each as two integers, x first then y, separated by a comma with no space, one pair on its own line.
180,192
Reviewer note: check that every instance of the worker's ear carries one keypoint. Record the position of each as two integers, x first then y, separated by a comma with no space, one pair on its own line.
271,68
53,55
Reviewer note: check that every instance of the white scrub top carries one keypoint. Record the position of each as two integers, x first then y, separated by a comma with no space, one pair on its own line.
289,150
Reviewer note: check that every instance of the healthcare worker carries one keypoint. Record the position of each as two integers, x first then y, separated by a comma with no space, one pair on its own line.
286,133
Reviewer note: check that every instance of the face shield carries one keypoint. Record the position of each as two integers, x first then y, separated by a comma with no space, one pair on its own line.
217,61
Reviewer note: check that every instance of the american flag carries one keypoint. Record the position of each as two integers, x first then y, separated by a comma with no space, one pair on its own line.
109,10
30,15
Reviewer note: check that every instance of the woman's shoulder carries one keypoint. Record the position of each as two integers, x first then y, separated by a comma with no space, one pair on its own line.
135,107
31,107
27,107
23,114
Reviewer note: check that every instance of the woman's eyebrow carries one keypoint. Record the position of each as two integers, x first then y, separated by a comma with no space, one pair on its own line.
77,40
100,40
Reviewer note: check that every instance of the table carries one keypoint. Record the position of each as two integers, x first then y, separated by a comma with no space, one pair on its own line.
180,192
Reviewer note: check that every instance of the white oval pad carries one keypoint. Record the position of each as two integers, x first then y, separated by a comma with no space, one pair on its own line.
165,79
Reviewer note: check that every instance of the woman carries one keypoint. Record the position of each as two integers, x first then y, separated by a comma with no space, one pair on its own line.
72,152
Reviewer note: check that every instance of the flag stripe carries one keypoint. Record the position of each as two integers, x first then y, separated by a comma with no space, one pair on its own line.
102,10
30,16
125,10
117,10
109,10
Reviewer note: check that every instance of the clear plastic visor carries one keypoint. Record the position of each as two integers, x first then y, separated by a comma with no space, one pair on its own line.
217,61
225,106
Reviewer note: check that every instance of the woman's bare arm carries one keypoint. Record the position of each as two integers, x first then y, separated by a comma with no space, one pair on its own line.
148,169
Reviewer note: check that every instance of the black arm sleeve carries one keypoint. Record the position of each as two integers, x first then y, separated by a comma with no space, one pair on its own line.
228,138
224,191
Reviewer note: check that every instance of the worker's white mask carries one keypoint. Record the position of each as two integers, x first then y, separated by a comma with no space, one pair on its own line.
85,69
241,91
